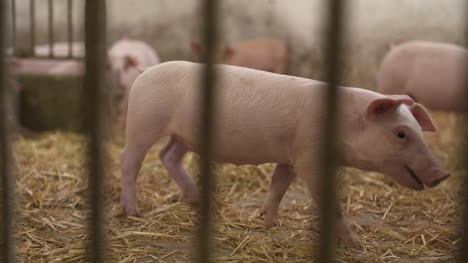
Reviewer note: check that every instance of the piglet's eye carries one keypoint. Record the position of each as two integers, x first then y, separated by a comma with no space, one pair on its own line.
401,134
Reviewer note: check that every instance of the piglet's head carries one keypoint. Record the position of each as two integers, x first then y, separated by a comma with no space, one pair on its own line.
124,70
392,142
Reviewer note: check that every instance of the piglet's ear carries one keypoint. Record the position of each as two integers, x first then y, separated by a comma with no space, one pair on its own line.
196,48
228,51
402,99
130,61
423,118
380,107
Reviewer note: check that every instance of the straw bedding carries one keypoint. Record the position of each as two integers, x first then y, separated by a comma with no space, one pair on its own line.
393,223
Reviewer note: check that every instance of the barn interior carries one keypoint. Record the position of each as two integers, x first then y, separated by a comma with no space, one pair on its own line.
393,223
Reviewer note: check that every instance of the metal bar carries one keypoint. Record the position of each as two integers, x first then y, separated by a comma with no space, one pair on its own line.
51,28
13,26
95,39
7,253
463,252
32,26
328,205
70,28
210,34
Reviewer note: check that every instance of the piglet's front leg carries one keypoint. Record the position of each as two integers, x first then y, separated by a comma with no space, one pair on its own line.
312,177
280,182
343,231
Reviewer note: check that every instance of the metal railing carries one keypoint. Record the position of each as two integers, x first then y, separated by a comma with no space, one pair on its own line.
463,251
328,205
95,29
13,23
210,35
70,27
6,159
32,27
94,92
31,52
51,27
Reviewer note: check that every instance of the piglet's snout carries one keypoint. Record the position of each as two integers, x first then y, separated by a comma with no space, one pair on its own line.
440,175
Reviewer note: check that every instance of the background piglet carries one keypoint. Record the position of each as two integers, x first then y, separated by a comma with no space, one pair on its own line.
127,59
432,73
262,54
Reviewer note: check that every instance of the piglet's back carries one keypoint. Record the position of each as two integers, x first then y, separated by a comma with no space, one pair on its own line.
433,73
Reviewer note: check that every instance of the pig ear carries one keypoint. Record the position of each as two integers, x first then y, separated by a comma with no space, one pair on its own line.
228,51
130,61
196,48
380,107
402,99
396,42
423,118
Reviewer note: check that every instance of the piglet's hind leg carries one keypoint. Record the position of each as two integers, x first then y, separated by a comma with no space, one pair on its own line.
131,160
172,156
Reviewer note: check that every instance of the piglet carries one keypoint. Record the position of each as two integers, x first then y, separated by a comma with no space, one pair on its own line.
263,54
127,58
432,73
264,117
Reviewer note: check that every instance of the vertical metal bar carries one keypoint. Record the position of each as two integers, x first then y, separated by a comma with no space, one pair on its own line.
32,26
70,27
13,26
207,129
328,206
51,28
95,44
463,252
7,253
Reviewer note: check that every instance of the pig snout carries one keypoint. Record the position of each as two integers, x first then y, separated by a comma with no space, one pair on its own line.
432,175
439,176
429,177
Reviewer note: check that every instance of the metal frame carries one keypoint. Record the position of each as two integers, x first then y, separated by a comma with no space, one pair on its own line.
95,44
6,159
13,24
32,26
463,251
328,206
51,27
70,27
210,35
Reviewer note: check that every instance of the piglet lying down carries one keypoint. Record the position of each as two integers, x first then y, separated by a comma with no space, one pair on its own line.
264,117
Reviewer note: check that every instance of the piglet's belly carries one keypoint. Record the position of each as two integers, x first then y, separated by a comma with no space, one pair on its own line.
245,152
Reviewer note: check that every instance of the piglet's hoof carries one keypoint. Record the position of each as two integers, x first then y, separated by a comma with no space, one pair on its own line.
129,210
193,199
268,220
350,241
